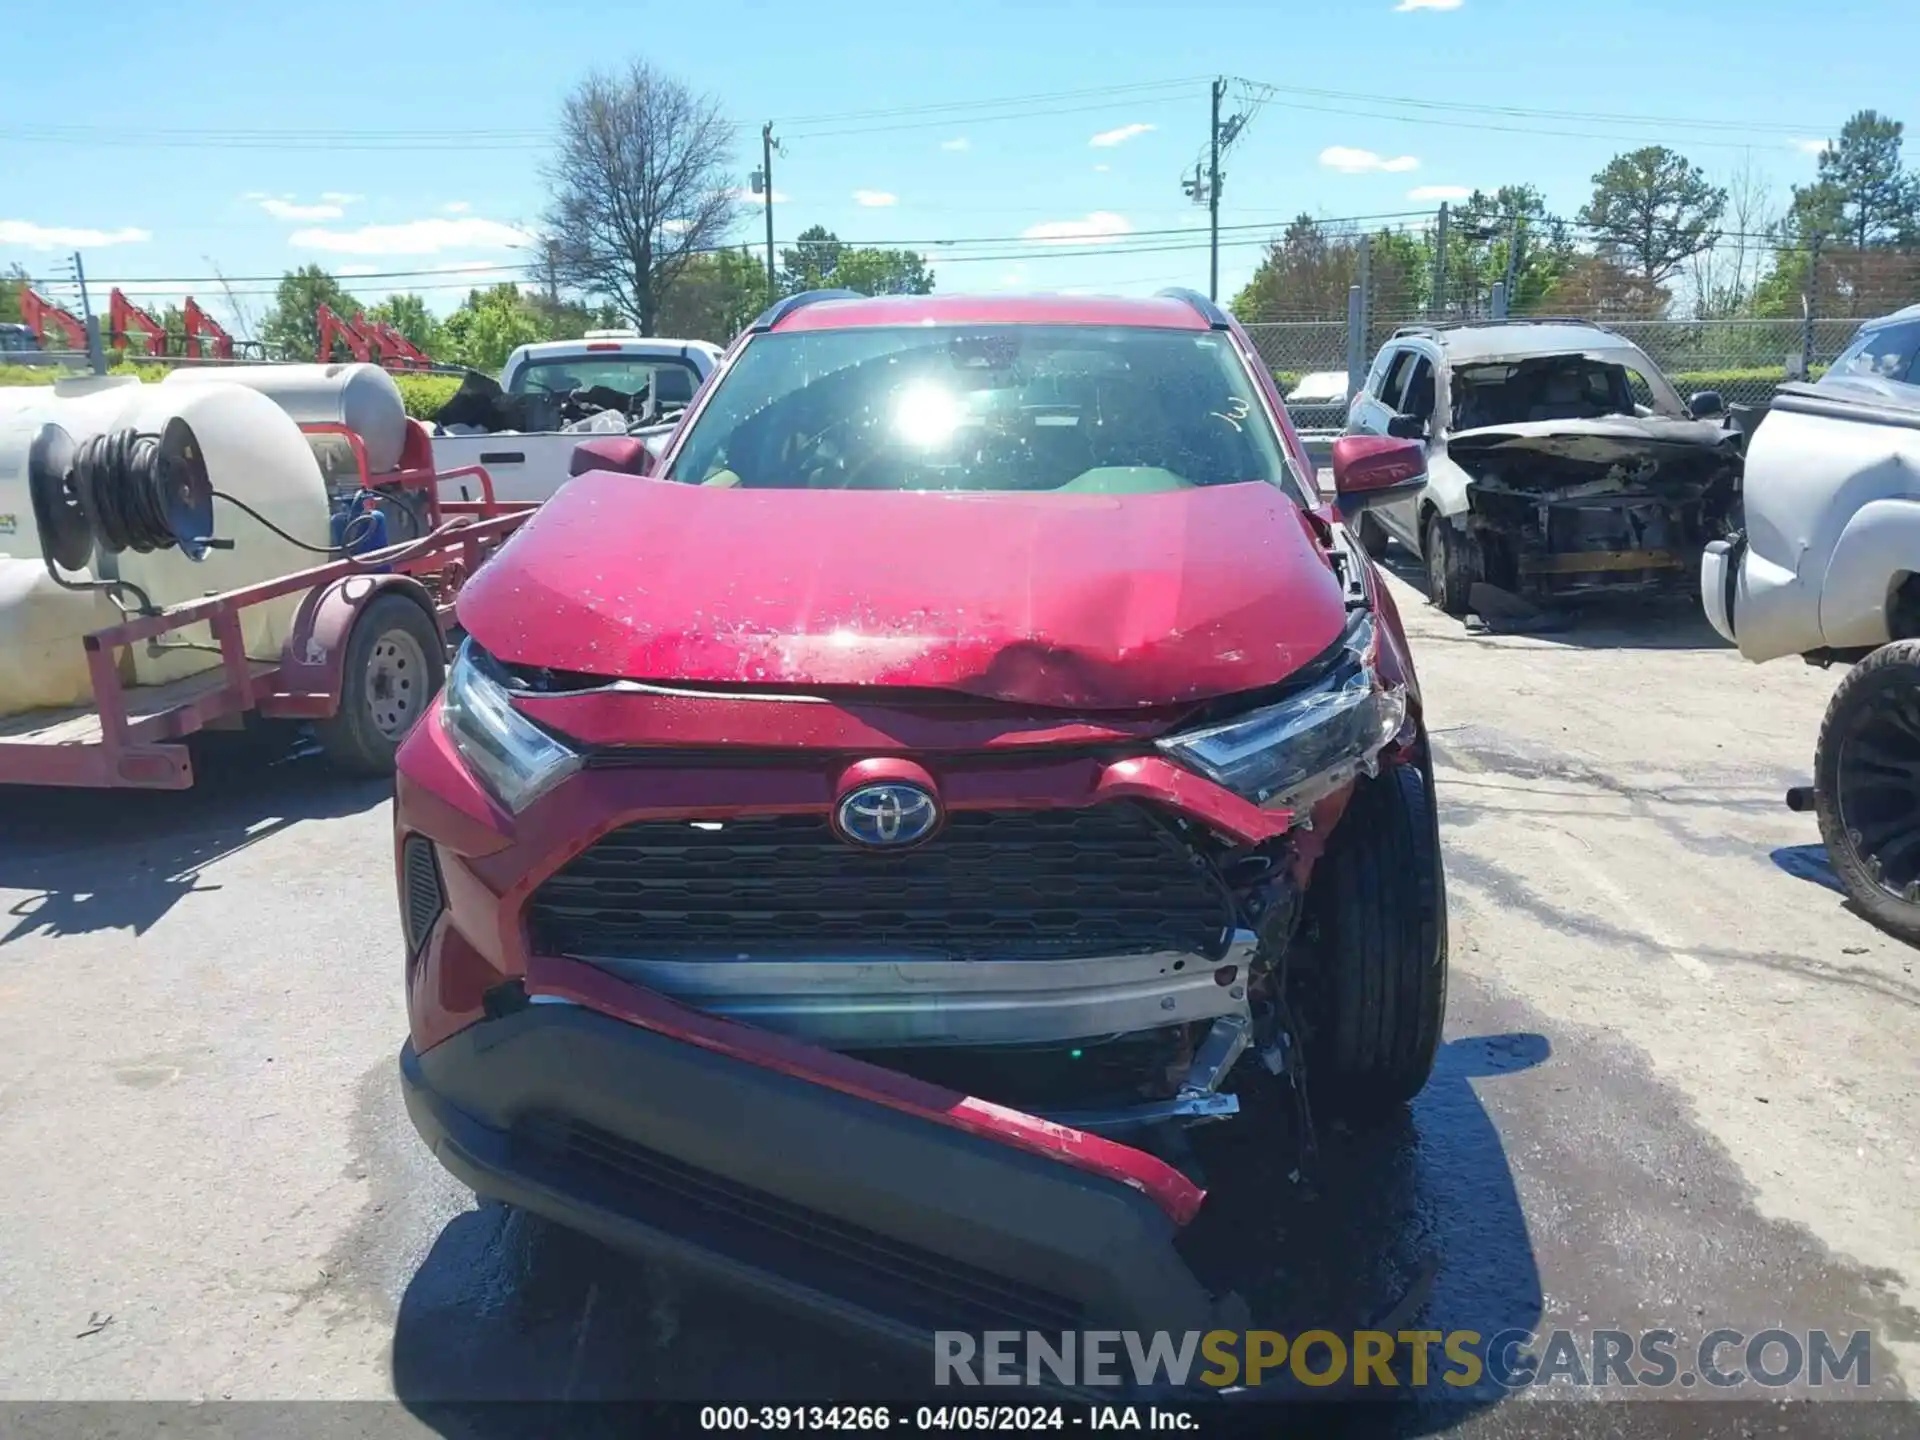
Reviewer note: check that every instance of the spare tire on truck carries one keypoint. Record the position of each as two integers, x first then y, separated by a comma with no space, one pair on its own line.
1866,787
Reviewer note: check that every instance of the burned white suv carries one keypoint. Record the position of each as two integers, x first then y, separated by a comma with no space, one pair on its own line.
1560,461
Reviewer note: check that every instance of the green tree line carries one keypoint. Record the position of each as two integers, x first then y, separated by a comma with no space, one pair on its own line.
1657,237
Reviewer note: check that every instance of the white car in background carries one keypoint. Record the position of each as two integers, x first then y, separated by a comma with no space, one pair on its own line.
548,381
1560,461
1828,568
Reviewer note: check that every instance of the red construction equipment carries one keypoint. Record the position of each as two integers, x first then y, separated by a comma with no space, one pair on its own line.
369,341
198,324
333,328
123,317
39,313
396,351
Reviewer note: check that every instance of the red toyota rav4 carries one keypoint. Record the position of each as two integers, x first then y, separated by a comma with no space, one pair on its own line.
846,848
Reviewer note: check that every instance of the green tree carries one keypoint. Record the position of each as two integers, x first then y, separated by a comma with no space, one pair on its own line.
1862,213
289,328
820,260
11,281
715,297
409,315
489,325
1507,234
1652,211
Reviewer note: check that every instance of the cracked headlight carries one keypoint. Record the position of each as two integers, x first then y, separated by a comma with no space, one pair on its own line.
1294,752
512,757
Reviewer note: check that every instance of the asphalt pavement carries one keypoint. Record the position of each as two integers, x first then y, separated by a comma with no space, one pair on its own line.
1680,1089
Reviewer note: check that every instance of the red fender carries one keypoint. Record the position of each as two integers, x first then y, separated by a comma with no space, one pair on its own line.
313,663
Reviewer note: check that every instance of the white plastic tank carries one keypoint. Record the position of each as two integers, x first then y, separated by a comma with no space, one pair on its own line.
253,450
361,397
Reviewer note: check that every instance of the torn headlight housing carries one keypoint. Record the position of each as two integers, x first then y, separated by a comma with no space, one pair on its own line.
512,757
1301,748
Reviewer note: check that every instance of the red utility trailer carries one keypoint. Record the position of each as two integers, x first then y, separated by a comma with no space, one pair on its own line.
367,651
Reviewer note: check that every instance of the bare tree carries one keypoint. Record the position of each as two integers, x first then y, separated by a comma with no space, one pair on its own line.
1726,274
640,184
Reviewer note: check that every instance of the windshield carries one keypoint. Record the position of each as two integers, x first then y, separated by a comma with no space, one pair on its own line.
1557,387
1025,407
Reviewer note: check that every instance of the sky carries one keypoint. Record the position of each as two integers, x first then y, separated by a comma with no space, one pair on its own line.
1029,146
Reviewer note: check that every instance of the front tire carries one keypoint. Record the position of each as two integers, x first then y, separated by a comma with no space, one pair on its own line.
1377,923
1451,570
1866,787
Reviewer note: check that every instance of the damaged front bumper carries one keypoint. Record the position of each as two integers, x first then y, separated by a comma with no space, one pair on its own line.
803,1176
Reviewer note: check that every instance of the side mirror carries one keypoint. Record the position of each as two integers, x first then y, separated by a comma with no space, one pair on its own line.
620,453
1372,470
1707,405
1407,427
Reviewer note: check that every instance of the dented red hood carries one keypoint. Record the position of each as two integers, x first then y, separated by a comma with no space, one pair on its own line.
1084,601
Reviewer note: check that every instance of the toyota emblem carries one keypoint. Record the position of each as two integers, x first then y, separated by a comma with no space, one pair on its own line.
887,816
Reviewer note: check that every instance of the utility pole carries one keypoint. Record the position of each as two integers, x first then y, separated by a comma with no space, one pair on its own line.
1513,265
1440,265
96,352
553,274
1213,194
763,187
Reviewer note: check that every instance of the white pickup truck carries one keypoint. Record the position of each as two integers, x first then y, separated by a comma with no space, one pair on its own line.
661,375
1828,567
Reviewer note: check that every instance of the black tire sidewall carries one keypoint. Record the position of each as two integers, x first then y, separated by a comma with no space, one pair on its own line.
1378,899
1891,668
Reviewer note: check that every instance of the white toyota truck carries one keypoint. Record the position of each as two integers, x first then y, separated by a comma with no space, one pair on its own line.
611,382
1827,567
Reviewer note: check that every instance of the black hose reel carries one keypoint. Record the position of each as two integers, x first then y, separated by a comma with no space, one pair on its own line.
122,490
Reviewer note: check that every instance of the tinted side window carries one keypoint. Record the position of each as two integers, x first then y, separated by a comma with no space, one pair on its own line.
1885,353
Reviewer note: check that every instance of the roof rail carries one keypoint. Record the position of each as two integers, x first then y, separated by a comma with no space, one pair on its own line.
1430,327
1207,310
781,309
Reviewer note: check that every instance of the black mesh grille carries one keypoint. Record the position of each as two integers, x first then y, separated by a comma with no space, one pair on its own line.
1015,884
423,899
902,1281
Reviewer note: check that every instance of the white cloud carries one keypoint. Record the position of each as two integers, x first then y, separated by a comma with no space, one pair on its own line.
287,210
1811,147
340,197
747,197
1405,5
56,237
1101,169
875,199
1439,192
1100,227
414,237
959,142
456,207
1350,161
1107,139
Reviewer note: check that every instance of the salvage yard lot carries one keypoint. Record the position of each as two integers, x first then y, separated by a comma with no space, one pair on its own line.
1681,1084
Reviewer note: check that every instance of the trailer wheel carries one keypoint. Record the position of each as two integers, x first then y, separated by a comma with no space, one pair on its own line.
395,663
1866,787
1451,570
1376,995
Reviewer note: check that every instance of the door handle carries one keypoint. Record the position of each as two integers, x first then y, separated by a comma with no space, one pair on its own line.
503,457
